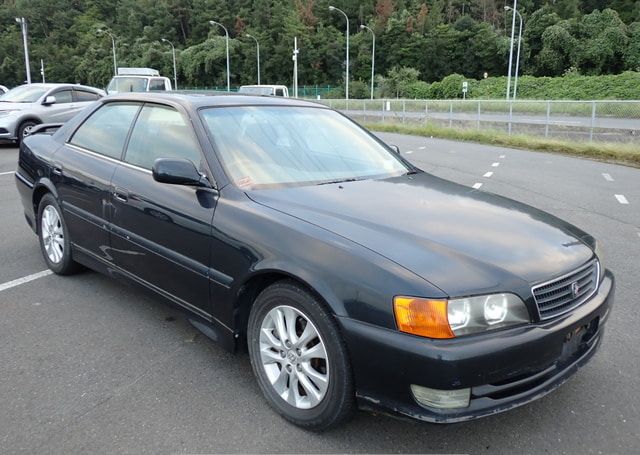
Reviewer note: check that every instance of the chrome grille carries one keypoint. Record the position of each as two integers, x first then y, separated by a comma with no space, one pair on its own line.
559,295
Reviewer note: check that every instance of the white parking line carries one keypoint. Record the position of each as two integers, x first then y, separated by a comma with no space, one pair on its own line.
422,148
409,152
477,186
7,173
621,199
23,280
495,164
607,177
502,156
488,174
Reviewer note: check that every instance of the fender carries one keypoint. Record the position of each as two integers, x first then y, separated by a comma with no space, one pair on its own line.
311,280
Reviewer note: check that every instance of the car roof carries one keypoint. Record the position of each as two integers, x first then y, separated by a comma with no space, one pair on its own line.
197,101
50,85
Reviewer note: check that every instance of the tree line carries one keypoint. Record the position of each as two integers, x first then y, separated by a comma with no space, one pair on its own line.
436,38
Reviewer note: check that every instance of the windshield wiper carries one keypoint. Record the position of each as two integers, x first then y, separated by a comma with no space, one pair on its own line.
338,181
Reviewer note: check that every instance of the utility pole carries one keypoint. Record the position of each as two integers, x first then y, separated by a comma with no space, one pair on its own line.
175,70
257,54
296,51
333,8
373,55
513,30
226,32
42,70
23,26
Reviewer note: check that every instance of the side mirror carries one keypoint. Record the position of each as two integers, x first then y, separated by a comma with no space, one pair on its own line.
49,100
177,171
395,148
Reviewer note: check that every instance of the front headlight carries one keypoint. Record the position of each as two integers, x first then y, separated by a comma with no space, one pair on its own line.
456,317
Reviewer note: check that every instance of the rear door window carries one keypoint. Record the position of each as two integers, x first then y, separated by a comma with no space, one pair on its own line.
106,130
82,96
161,132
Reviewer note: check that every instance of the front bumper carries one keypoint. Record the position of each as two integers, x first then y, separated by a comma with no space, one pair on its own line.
504,369
8,128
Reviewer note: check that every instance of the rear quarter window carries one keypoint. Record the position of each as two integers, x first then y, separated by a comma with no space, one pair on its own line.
106,130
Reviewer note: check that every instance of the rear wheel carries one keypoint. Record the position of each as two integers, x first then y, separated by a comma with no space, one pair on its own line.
54,237
299,358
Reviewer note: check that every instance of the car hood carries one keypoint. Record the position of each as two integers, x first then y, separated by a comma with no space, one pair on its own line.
5,106
459,239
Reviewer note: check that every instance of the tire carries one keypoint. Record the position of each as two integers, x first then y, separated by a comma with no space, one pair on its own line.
54,238
307,390
25,127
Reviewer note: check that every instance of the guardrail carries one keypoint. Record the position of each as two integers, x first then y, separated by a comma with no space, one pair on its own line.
609,121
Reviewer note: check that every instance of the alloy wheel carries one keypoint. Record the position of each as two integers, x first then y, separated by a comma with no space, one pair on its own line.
294,357
52,234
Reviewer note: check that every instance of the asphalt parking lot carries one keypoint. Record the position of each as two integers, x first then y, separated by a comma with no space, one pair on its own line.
89,364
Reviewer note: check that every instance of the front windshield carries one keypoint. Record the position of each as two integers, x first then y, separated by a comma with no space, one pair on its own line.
127,84
265,146
24,94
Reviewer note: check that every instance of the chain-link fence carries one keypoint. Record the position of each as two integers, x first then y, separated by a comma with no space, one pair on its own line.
612,121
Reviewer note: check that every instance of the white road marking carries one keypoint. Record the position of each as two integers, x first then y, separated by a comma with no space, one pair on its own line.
409,152
23,280
608,177
422,148
502,156
495,164
477,186
7,173
488,174
452,151
621,199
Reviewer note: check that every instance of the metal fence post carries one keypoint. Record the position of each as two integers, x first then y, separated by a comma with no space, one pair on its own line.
450,114
510,114
593,119
330,104
478,120
546,123
404,110
384,103
364,110
426,112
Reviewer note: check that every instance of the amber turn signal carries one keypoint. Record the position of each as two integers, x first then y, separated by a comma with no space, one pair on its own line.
427,318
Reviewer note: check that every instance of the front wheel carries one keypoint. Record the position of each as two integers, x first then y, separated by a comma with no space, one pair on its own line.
54,237
299,358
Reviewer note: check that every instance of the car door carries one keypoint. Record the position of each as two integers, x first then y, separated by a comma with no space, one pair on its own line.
83,168
161,233
62,110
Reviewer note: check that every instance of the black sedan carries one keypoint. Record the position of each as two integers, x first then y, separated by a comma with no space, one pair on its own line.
351,276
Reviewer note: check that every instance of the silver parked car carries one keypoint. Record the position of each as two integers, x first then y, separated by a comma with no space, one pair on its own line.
26,106
3,89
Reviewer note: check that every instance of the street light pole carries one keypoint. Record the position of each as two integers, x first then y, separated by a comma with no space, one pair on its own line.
513,30
175,68
226,32
113,47
257,54
23,27
333,8
515,82
373,55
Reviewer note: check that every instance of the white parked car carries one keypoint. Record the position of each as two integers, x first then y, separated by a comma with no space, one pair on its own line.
138,80
267,90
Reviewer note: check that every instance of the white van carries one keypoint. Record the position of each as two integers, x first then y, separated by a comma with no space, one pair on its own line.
268,90
138,80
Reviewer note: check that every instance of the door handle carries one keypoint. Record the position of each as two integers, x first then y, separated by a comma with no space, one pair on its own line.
121,194
57,169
